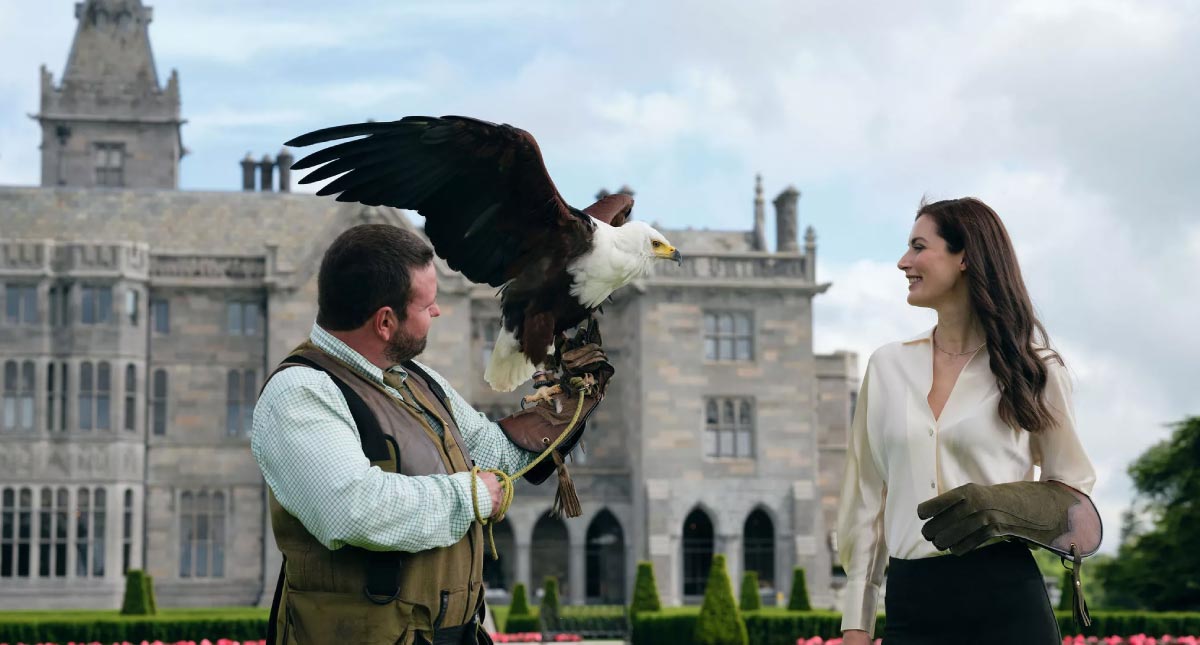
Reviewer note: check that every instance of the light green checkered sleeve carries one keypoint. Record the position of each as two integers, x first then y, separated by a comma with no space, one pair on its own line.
308,448
487,443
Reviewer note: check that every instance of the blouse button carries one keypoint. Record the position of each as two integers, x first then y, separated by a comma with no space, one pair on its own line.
931,432
933,484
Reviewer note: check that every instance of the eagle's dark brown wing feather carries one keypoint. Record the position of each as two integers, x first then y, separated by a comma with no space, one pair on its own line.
489,204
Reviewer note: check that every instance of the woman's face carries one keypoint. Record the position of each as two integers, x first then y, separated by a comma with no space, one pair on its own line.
933,272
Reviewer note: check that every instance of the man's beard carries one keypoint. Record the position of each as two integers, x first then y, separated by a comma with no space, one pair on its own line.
403,347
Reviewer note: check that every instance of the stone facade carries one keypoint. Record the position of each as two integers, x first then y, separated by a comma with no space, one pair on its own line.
163,309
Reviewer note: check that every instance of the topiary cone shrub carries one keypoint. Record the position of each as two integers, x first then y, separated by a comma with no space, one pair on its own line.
719,622
799,600
549,608
137,601
645,590
751,601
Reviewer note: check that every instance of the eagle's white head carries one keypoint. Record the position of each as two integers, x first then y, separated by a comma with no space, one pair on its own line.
619,255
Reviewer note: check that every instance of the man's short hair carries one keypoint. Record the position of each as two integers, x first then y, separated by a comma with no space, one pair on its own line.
368,267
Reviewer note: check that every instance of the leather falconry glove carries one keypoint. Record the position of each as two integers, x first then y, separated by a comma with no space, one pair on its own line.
1049,514
585,373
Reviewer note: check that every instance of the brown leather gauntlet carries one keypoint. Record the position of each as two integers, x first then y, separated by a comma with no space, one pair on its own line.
547,414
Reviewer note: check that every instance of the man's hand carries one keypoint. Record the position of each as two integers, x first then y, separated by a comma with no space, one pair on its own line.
855,637
494,490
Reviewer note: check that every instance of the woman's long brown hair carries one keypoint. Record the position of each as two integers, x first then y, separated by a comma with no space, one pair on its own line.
1001,302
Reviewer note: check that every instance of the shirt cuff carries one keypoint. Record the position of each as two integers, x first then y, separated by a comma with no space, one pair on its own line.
463,480
859,600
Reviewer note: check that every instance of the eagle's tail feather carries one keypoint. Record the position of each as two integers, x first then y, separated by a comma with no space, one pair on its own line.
508,367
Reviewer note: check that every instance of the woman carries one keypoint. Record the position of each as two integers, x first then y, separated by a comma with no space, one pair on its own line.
945,423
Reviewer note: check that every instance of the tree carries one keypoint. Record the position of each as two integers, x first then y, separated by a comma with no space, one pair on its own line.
719,623
520,604
1157,565
751,601
799,600
645,590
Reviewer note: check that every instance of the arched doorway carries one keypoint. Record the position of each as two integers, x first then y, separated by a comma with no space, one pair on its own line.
549,557
758,548
697,553
605,560
498,574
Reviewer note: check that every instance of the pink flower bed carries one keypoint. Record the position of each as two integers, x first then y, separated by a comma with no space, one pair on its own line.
1137,639
219,641
535,637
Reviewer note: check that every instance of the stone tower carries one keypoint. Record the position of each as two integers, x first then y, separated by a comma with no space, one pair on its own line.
109,123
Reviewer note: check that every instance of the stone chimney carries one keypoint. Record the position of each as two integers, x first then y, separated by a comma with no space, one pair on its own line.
786,232
284,161
626,190
266,168
760,216
602,193
248,168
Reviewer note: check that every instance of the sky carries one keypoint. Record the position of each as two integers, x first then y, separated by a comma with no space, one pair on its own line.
1075,120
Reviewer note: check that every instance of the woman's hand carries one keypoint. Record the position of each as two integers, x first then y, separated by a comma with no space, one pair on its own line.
855,637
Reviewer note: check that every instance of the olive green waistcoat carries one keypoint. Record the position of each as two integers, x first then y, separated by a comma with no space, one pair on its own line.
325,597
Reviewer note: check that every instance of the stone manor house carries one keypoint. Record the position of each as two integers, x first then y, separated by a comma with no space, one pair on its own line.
137,322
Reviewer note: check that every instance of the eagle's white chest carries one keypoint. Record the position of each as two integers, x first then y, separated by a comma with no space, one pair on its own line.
605,268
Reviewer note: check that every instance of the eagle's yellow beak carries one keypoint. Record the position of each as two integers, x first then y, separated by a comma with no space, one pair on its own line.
668,252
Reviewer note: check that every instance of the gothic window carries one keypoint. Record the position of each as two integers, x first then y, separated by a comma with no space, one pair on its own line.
21,304
160,314
56,397
130,415
484,330
241,386
202,535
158,403
242,318
131,306
52,534
16,532
728,336
758,547
104,396
127,532
110,164
83,516
551,544
605,560
729,428
17,414
697,553
90,532
95,305
87,396
59,304
99,532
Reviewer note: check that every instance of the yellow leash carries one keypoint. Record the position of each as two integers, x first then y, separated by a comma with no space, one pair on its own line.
506,480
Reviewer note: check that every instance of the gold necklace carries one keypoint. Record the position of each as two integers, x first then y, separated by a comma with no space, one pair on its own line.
939,347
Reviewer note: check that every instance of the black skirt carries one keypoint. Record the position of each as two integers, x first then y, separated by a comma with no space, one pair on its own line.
994,595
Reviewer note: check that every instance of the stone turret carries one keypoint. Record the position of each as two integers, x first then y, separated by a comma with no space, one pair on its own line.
109,123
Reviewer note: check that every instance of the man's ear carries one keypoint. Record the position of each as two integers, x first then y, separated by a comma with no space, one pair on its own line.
384,323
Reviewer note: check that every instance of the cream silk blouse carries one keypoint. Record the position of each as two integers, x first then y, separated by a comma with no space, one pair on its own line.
899,456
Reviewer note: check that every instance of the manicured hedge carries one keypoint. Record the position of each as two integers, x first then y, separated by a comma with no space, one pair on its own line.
590,621
111,627
776,626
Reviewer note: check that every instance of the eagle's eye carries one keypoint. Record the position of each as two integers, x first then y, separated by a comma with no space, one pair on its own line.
655,243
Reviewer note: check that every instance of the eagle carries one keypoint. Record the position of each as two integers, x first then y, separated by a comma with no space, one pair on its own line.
493,214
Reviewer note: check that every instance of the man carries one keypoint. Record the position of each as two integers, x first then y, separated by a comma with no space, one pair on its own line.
368,457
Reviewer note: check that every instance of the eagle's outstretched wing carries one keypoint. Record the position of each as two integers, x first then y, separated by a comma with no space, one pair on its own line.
490,207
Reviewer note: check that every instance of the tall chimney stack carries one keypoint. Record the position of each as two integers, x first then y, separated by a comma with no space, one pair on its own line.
810,254
760,216
248,168
786,239
284,161
266,169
